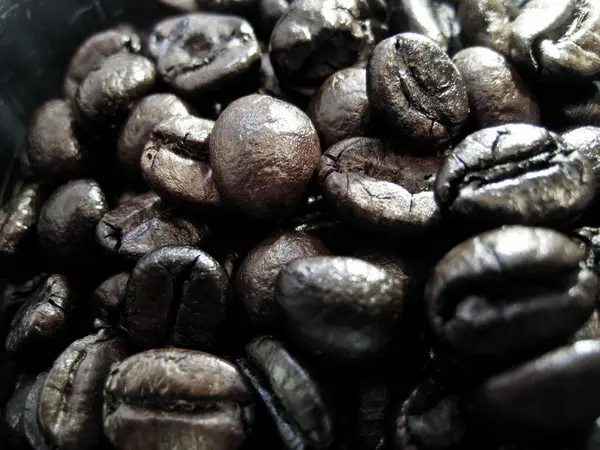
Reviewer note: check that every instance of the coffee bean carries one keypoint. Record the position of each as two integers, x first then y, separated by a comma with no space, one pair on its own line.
269,13
146,223
109,296
589,330
181,5
31,424
157,35
372,415
263,153
12,415
174,398
586,140
414,87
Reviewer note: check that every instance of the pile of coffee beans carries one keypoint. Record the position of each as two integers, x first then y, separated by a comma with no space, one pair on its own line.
311,224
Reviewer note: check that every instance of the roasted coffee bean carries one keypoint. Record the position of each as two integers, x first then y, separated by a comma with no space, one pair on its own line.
68,220
178,295
263,152
175,162
109,296
341,308
515,173
207,54
144,116
13,412
94,51
586,140
510,293
497,94
256,276
316,38
31,425
371,186
157,35
417,91
108,92
372,415
146,223
173,398
54,150
558,39
295,390
340,108
43,325
70,405
269,13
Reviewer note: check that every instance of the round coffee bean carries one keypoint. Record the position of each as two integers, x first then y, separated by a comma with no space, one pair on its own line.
188,398
340,308
157,35
263,153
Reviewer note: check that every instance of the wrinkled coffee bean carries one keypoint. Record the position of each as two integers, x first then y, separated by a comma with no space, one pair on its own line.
339,308
371,186
109,296
206,54
31,424
263,152
177,295
94,51
414,87
497,94
68,220
188,398
515,173
510,293
54,150
146,223
340,108
175,162
70,405
257,274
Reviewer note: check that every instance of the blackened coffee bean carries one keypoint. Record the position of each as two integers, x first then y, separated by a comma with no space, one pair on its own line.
157,35
43,325
146,223
341,308
414,87
515,173
208,54
70,405
108,297
144,116
175,161
371,186
263,152
108,92
178,295
340,108
295,389
558,39
94,51
31,425
497,94
257,274
510,293
174,398
544,397
13,414
68,220
54,150
587,141
316,38
269,13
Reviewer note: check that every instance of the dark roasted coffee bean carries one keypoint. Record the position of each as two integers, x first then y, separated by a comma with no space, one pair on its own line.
188,399
157,35
316,38
587,141
109,91
43,325
176,295
144,116
146,223
544,397
263,152
109,296
175,162
298,394
371,186
558,39
510,293
68,220
31,425
207,54
414,87
340,308
13,412
340,108
269,13
515,173
497,94
70,403
256,276
94,51
54,150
